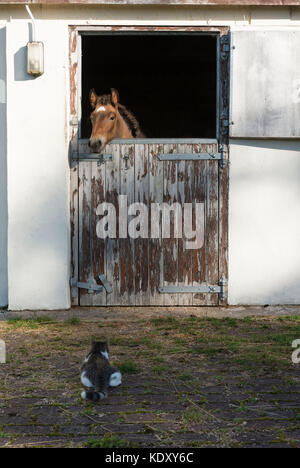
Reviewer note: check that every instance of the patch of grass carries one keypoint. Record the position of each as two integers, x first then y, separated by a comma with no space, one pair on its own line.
31,323
72,321
185,377
194,415
247,319
159,369
215,322
242,407
254,360
107,441
166,323
290,318
128,367
208,351
281,339
180,341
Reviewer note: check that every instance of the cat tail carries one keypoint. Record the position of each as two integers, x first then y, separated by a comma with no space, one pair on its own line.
93,396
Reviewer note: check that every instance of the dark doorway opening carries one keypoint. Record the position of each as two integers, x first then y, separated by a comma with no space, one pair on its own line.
168,81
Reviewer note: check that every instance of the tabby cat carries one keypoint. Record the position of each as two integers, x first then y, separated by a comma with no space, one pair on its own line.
97,374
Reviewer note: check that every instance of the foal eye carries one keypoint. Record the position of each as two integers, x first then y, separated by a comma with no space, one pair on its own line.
112,118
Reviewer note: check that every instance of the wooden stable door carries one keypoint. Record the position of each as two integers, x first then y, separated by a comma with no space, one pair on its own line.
151,268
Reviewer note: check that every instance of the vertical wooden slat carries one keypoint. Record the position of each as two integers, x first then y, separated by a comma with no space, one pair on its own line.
112,245
205,265
156,195
74,218
199,255
212,227
74,167
223,225
185,195
142,293
127,264
98,251
85,233
171,244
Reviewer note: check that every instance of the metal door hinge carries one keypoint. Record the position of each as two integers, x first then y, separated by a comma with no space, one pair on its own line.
205,288
90,286
225,47
73,120
105,283
222,284
100,158
190,157
223,161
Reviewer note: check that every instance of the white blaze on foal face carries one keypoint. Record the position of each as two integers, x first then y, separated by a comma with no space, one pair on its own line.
101,109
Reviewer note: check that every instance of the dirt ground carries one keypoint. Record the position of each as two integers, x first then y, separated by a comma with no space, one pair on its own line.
190,379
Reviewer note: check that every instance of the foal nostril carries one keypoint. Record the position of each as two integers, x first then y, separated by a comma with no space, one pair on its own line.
94,145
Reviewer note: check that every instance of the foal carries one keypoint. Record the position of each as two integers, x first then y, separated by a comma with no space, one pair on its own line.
110,120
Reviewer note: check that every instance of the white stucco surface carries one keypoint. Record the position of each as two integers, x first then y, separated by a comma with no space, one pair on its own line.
264,213
3,173
264,222
38,210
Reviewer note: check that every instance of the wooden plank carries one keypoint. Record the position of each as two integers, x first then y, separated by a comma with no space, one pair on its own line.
199,255
142,293
263,3
74,168
212,259
74,218
112,175
98,250
126,263
85,261
156,195
170,245
223,224
185,195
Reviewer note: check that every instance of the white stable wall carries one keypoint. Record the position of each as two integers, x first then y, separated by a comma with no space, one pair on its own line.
38,176
264,222
3,172
264,176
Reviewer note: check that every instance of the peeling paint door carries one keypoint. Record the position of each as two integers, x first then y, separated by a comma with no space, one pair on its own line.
148,269
137,265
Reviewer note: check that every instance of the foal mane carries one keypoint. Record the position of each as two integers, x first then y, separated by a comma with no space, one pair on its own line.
131,122
128,116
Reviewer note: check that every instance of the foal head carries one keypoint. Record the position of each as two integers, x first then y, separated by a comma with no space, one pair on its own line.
104,119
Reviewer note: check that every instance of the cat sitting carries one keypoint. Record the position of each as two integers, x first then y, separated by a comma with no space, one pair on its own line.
97,374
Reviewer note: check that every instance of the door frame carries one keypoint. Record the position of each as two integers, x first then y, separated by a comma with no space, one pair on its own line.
222,130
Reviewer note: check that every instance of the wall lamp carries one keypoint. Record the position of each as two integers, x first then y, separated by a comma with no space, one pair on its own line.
35,52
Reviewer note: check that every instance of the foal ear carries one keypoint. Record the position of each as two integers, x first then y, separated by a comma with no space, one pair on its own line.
93,98
114,96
